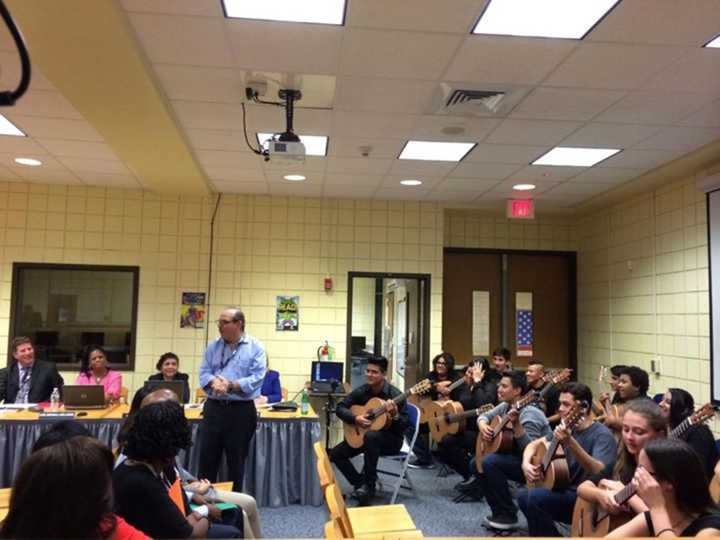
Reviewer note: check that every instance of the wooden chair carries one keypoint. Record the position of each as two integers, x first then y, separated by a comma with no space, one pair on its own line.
333,530
124,393
338,510
200,395
5,497
284,393
326,474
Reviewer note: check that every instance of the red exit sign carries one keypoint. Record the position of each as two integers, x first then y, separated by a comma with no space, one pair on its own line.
521,209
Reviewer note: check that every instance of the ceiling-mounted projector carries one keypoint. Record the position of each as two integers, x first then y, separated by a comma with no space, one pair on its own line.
286,148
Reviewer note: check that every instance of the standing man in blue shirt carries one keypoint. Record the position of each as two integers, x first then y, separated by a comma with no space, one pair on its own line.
231,374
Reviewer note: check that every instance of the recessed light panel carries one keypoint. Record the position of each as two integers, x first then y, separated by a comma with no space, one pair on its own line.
411,182
305,11
436,151
524,187
569,19
28,162
294,177
714,43
575,157
315,145
8,128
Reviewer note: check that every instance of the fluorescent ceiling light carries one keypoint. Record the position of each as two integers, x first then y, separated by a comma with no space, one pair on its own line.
30,162
8,128
713,43
436,151
411,182
575,157
315,145
305,11
569,19
523,187
294,177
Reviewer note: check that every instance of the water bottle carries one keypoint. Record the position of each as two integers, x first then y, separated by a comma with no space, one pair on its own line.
304,403
55,399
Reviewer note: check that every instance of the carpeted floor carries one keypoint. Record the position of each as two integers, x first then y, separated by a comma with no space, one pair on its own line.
431,508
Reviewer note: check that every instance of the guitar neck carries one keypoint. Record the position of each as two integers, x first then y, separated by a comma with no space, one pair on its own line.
550,454
377,411
456,384
466,414
625,494
680,429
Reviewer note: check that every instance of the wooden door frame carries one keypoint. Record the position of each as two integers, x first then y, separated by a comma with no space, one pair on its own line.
571,257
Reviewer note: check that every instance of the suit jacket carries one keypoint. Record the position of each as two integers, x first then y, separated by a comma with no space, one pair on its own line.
3,382
44,378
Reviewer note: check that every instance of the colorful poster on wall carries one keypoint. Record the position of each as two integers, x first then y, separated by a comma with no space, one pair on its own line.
287,313
192,310
524,326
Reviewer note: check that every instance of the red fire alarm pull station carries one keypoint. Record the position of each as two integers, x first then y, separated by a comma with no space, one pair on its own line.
327,284
521,209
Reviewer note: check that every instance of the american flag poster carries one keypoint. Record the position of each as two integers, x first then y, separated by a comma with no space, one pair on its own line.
524,334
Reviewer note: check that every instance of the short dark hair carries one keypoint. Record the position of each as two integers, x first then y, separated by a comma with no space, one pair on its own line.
59,432
482,361
616,370
20,340
536,362
638,377
449,361
504,352
579,391
238,316
75,476
518,379
85,357
158,431
379,361
164,357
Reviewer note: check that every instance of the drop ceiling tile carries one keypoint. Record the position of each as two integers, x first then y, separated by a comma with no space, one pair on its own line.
49,162
217,139
599,135
358,165
233,174
614,66
504,59
10,72
198,41
199,115
379,148
491,171
532,132
429,128
364,181
285,47
200,83
452,196
43,127
268,119
666,22
641,159
202,8
547,200
310,165
708,116
505,153
64,148
580,188
547,173
222,186
476,185
541,186
607,175
393,182
383,95
8,175
276,177
48,103
565,103
109,180
419,15
698,71
680,138
49,176
78,164
421,169
20,146
239,160
400,55
296,189
654,107
410,193
371,125
348,192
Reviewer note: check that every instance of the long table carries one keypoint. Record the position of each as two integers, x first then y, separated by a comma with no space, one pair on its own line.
280,468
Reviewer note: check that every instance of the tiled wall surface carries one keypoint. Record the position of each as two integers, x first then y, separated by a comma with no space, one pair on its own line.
264,247
643,289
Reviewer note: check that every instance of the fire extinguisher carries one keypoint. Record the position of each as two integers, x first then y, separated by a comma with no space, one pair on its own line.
323,352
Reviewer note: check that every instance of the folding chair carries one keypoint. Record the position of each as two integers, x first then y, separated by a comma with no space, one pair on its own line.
404,456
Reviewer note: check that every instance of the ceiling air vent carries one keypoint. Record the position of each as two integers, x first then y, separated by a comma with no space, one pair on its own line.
461,99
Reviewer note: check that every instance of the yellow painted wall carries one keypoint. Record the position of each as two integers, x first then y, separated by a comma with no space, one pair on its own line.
264,246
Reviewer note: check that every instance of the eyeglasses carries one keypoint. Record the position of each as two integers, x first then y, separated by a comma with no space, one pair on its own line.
223,322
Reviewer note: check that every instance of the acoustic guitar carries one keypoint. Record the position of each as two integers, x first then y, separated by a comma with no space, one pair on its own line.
703,414
376,411
448,417
423,402
592,520
550,455
503,432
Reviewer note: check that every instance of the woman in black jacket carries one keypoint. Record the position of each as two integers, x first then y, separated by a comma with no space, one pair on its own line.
168,365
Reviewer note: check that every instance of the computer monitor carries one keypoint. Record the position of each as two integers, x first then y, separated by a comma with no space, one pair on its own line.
327,371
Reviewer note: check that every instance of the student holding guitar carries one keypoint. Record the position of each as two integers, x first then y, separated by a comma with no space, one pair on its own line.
602,506
375,443
537,381
589,450
678,406
456,449
632,383
509,428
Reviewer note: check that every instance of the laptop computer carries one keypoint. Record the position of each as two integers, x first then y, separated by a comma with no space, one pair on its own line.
84,396
326,377
174,386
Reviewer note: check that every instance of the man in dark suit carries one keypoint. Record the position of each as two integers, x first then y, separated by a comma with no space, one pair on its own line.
30,380
3,382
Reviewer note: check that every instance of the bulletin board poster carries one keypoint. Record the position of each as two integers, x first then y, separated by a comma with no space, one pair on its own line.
192,310
287,316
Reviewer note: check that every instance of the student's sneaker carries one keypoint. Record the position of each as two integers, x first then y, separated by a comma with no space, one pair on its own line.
415,463
501,522
364,494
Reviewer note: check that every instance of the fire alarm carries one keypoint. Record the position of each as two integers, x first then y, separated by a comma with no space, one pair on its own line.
327,284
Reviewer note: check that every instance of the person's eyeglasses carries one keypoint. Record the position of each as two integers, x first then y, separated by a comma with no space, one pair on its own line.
223,322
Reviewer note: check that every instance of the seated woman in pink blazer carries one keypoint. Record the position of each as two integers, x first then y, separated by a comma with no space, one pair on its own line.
94,370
